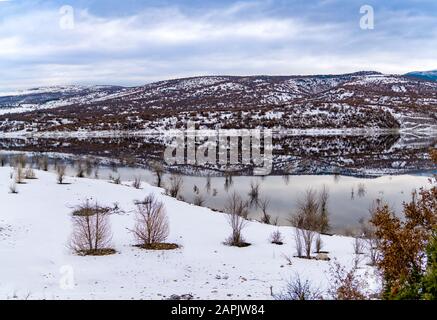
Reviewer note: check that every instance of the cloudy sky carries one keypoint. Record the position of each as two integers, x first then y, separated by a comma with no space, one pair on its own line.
135,42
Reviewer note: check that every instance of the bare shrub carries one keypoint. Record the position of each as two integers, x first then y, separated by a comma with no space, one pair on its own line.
358,245
158,169
368,233
346,285
89,165
151,222
318,243
175,186
19,174
298,289
136,183
115,179
2,160
276,237
13,188
298,242
307,219
237,210
264,206
91,230
43,163
29,174
80,173
19,160
60,172
199,200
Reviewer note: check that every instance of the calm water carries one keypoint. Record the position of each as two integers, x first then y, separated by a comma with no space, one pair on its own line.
349,197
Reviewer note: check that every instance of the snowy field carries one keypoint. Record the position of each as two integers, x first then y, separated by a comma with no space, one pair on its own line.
35,227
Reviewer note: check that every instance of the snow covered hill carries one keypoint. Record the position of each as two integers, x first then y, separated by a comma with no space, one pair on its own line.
51,97
358,100
35,226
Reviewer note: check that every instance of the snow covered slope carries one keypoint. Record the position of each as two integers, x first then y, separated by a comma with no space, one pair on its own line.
35,225
358,100
51,97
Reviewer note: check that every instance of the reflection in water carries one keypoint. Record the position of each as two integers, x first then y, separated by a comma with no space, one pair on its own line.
345,210
347,154
350,197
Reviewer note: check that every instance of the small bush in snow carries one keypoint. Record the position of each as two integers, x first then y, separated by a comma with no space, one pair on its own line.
199,200
264,206
136,183
346,285
237,210
91,230
298,289
115,180
276,238
13,188
318,243
19,174
152,227
307,220
29,174
175,186
158,169
60,173
80,173
43,163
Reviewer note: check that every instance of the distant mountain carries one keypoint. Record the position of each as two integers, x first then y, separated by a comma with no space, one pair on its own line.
357,100
50,97
427,75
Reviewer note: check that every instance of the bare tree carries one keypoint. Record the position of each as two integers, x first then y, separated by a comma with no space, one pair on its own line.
80,173
175,186
158,169
264,206
318,243
152,225
91,230
136,183
19,174
44,163
298,242
237,210
60,171
369,235
307,220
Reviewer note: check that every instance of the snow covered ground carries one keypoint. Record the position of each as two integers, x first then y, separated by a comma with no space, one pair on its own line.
35,227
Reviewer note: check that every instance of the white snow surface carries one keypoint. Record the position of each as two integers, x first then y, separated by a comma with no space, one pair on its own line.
35,227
